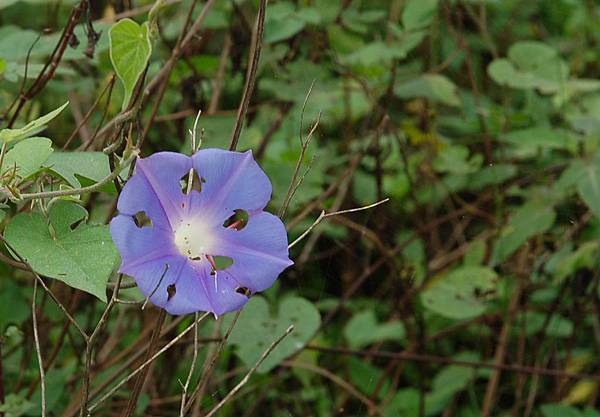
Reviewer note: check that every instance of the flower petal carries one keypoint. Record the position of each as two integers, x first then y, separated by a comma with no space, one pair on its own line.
182,287
231,180
220,289
259,251
139,245
155,188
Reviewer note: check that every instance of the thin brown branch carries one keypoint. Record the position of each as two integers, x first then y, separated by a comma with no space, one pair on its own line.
416,357
141,378
324,215
220,77
48,290
335,379
145,364
246,378
210,365
38,351
257,36
51,65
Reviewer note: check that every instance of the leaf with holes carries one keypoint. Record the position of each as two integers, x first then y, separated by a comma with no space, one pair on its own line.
130,50
461,294
256,329
64,247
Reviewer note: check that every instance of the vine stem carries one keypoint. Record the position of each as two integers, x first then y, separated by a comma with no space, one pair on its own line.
82,190
38,352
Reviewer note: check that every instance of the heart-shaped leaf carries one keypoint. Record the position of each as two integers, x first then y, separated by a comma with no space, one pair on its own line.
462,293
256,329
363,329
80,255
130,49
27,157
77,167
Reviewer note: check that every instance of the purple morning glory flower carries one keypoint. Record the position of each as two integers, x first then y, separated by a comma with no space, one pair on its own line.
173,259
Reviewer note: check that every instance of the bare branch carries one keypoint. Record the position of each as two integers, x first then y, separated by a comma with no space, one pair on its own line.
250,74
324,215
246,378
145,364
36,339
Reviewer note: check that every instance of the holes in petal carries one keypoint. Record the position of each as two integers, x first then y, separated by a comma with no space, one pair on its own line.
196,182
244,291
238,220
222,262
141,219
171,291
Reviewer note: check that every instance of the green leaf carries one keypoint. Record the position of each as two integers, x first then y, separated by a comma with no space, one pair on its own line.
33,127
27,156
558,326
434,87
14,307
418,13
363,375
78,167
130,50
527,221
363,329
588,185
530,64
281,22
256,329
452,379
82,256
584,257
455,159
528,141
15,405
461,294
559,410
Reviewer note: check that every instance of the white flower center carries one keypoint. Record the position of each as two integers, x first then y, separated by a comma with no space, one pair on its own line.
194,239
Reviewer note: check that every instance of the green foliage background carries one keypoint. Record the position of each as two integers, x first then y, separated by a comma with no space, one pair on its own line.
473,292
